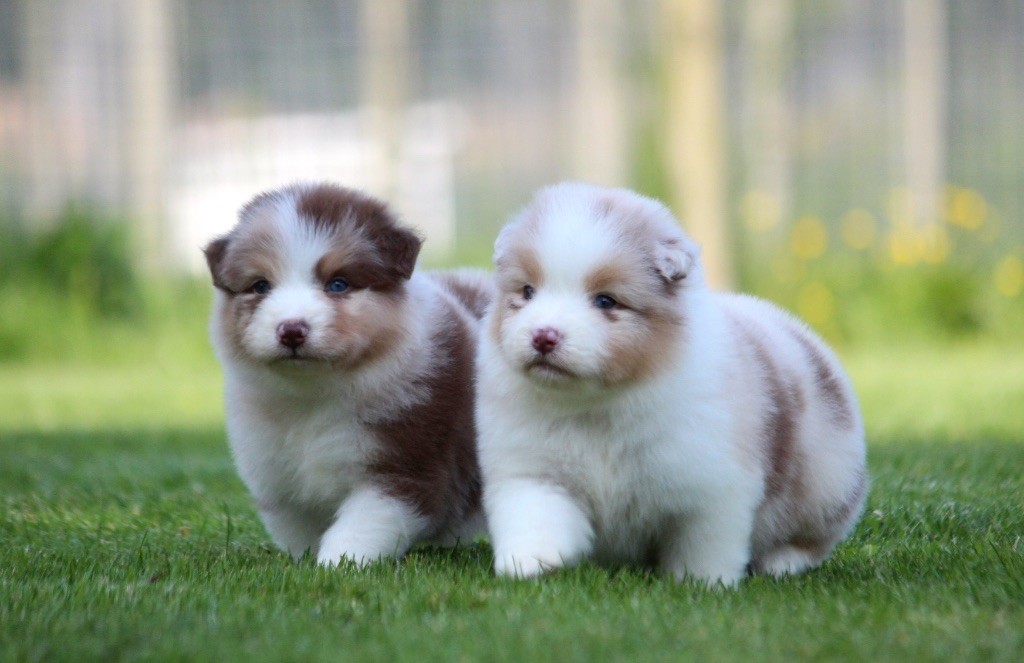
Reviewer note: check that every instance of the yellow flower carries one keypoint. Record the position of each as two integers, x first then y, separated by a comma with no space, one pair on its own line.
903,250
966,208
815,303
859,229
1009,276
809,238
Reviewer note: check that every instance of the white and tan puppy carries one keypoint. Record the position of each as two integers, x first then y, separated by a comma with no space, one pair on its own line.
627,414
348,377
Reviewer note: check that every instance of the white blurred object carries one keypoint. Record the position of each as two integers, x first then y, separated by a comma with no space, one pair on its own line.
224,163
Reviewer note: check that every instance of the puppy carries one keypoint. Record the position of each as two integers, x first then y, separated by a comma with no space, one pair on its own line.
629,415
348,377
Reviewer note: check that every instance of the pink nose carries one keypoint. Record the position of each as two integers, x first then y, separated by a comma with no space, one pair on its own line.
546,340
292,333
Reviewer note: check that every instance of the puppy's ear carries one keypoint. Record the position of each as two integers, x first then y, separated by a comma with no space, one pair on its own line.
214,253
400,247
675,258
501,244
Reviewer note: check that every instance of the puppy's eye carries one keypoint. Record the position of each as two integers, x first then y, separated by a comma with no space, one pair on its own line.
337,285
605,302
260,287
528,292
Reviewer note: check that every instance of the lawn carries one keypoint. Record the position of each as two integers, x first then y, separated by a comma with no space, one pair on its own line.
125,533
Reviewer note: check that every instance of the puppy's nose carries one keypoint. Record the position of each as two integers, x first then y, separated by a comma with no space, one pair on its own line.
292,333
545,340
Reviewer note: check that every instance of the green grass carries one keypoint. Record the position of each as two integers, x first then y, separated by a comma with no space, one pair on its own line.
125,533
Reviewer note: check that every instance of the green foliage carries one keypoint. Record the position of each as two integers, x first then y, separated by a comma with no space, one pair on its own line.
73,293
866,304
85,258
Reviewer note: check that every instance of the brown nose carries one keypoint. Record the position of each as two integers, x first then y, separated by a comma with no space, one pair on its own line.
546,340
292,333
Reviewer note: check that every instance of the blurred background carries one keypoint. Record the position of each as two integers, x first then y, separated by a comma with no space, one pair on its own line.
859,162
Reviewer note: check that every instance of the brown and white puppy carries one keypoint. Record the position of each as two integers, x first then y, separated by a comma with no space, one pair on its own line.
630,415
348,376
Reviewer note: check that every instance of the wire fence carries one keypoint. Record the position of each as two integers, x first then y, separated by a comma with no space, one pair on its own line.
769,125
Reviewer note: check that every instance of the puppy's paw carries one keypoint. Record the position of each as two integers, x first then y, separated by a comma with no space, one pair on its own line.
719,581
721,572
332,556
370,526
787,560
527,564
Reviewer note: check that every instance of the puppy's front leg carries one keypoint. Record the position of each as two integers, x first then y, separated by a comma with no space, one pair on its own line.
712,545
294,530
535,527
370,524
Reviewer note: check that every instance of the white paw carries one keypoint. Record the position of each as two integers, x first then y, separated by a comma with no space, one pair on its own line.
788,560
527,565
712,576
726,580
331,556
370,526
721,580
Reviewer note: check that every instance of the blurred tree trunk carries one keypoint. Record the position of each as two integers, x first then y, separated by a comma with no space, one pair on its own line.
924,110
693,64
150,81
768,28
384,53
598,126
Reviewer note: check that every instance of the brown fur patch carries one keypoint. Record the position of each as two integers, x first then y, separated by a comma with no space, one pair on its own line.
780,425
369,332
214,254
236,315
506,304
517,266
605,206
606,277
647,327
351,214
521,268
429,451
840,514
236,261
252,254
828,383
474,292
246,254
644,348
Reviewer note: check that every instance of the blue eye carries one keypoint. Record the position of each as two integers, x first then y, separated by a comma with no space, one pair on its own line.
604,302
528,292
260,287
337,285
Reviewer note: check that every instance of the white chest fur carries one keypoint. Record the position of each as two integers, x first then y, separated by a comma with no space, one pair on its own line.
631,466
300,447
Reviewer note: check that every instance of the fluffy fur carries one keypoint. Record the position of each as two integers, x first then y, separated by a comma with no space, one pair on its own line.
348,377
630,415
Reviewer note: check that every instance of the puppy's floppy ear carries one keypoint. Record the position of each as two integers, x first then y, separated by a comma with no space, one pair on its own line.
214,253
501,244
400,248
675,258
